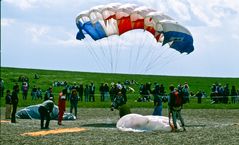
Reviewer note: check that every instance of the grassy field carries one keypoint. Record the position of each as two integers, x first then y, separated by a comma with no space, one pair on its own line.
206,123
204,127
47,77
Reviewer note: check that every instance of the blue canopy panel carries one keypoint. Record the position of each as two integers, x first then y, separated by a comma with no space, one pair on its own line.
182,42
96,31
80,34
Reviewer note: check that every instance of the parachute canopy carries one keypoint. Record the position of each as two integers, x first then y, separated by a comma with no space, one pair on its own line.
31,112
139,123
115,19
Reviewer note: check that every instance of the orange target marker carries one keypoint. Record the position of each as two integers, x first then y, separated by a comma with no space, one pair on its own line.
5,121
54,131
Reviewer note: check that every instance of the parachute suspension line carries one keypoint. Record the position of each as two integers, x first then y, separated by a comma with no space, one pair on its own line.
111,56
120,46
141,45
171,56
130,56
118,52
149,65
100,52
173,59
149,51
92,52
153,64
114,59
103,51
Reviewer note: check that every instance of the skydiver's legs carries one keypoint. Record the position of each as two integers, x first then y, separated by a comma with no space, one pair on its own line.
42,116
181,119
48,118
174,116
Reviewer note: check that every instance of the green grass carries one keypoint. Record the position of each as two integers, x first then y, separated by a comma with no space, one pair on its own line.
47,77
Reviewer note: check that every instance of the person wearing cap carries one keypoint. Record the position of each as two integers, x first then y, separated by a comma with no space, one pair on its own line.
45,110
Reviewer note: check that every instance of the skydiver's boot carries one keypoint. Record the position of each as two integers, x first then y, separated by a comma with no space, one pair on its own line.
184,129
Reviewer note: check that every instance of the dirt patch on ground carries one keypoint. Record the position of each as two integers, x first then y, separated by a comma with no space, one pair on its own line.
204,126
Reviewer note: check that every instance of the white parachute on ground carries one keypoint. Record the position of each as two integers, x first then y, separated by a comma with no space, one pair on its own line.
140,123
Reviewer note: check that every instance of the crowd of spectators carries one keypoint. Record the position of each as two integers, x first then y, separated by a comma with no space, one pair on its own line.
148,91
220,93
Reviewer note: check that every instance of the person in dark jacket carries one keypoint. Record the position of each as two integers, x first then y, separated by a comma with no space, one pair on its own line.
45,110
49,95
74,101
14,105
8,105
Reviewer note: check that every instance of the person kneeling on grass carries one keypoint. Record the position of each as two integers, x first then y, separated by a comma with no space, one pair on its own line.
120,104
45,110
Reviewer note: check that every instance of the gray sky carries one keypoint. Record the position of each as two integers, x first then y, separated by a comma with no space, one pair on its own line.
41,34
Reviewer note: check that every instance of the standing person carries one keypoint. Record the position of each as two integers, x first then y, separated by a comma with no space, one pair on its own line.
101,89
106,92
61,105
158,106
8,105
185,91
233,94
14,104
175,105
49,95
34,93
1,87
86,93
24,90
199,96
80,92
92,92
39,93
45,110
74,101
16,88
112,92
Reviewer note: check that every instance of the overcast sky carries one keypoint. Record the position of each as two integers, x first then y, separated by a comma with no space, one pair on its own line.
41,34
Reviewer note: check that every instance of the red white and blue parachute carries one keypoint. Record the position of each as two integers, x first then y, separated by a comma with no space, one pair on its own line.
115,19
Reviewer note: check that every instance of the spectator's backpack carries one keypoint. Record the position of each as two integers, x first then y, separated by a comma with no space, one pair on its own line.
178,99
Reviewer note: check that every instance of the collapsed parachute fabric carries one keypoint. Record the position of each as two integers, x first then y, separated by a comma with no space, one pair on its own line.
140,123
115,19
31,112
